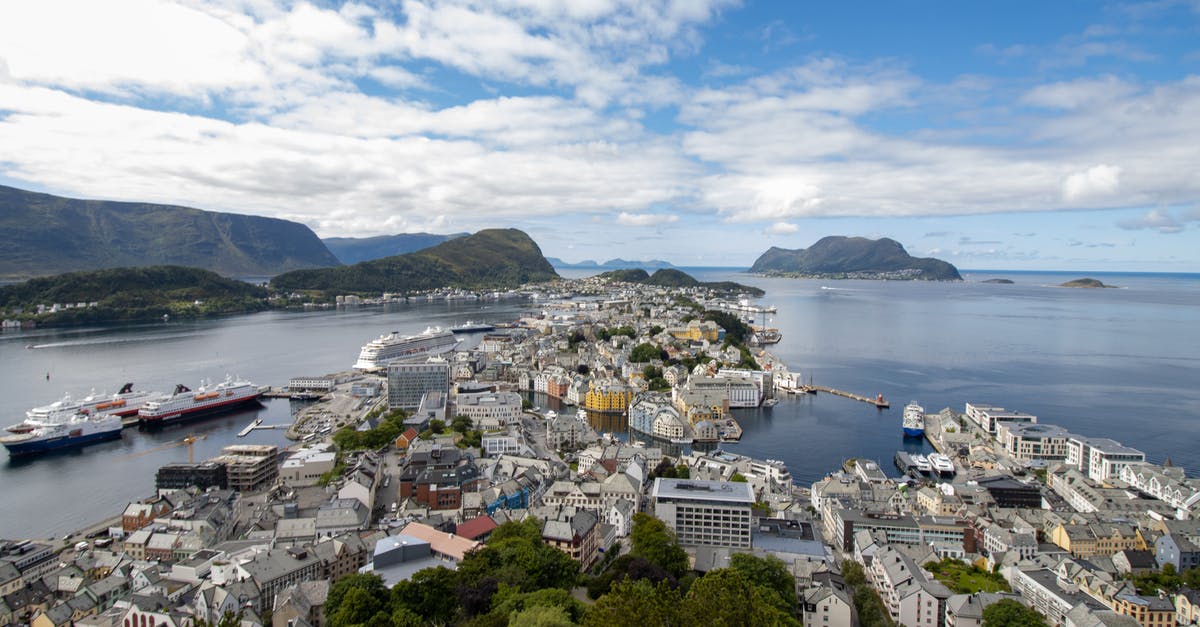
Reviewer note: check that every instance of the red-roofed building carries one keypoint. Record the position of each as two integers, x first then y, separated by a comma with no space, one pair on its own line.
405,439
478,528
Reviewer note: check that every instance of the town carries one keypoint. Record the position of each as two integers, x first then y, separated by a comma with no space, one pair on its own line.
404,467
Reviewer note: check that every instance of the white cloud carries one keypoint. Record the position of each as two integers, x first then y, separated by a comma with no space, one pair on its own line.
1095,182
1161,220
645,219
782,228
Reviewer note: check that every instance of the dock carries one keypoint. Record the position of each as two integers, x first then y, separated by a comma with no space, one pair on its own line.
878,401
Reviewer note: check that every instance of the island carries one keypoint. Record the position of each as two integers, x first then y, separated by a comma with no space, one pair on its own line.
999,281
1085,284
668,277
838,257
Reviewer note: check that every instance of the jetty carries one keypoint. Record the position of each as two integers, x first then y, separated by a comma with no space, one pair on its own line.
878,401
257,424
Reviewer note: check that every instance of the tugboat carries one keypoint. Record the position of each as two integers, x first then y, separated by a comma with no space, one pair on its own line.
914,420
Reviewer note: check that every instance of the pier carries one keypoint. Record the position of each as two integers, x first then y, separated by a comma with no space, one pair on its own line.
878,401
257,424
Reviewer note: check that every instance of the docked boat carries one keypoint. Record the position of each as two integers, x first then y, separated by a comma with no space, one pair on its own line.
762,337
125,402
473,327
941,464
61,432
396,347
206,400
914,420
922,464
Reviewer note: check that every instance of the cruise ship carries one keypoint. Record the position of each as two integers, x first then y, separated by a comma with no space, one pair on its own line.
914,420
473,327
396,347
61,432
126,402
208,399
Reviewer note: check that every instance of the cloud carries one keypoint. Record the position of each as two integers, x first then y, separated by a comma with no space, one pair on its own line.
1097,181
967,241
937,234
782,228
645,219
1161,220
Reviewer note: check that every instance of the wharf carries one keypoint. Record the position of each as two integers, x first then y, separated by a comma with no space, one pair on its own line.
878,402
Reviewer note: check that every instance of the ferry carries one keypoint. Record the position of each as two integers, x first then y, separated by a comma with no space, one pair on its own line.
473,327
125,402
396,347
32,437
922,464
914,420
206,400
941,464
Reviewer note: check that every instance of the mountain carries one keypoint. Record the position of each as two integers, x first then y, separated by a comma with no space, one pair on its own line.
355,249
669,277
45,234
130,294
493,258
856,258
616,264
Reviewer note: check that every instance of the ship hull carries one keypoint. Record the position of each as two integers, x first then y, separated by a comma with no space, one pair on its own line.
909,432
37,447
202,411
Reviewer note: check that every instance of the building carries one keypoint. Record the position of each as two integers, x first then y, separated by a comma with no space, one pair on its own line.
990,417
1098,539
827,605
609,396
1008,492
1032,442
249,467
713,513
911,597
490,410
575,532
180,476
652,414
311,384
407,383
1100,459
277,569
1148,611
1179,546
306,466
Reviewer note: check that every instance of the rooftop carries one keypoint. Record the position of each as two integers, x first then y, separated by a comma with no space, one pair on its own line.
699,490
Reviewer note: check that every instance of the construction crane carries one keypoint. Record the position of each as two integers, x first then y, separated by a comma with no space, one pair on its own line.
187,440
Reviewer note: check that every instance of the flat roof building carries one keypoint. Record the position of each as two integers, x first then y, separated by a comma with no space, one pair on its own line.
408,383
714,513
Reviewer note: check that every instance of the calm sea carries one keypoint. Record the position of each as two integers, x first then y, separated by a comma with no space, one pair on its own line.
1120,363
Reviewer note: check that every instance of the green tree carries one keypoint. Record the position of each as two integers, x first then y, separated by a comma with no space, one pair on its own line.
651,540
461,424
683,472
727,597
852,573
1010,613
370,584
437,426
429,593
768,572
357,607
655,330
637,603
541,616
738,478
644,352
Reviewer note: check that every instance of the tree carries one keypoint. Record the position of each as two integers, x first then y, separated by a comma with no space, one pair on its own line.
726,597
437,426
583,369
540,616
429,593
655,330
738,478
852,573
683,472
356,607
644,352
461,424
652,540
768,572
371,584
1010,613
636,604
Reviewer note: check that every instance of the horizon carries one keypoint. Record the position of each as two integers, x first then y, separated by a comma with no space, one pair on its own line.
1018,135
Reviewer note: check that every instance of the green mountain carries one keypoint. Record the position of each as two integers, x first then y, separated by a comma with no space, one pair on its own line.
45,234
670,277
355,249
492,258
130,294
855,257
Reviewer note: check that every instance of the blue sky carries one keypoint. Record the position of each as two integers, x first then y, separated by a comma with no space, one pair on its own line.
1001,135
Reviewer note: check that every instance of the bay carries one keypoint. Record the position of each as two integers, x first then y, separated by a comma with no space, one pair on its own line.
1119,363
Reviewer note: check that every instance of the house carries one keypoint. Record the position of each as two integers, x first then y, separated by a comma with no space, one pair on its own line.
301,604
576,532
478,528
827,604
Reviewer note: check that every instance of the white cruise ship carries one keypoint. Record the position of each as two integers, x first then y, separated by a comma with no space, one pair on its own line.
208,399
396,347
126,402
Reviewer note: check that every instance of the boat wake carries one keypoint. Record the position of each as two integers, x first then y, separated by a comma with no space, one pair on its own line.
837,289
119,340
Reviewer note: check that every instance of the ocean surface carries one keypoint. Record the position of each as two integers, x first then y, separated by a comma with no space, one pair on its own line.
1121,363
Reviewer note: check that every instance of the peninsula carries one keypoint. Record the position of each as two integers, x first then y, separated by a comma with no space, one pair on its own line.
838,257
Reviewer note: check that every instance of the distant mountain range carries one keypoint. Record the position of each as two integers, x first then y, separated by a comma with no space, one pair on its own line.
854,257
492,258
355,249
613,264
45,234
669,277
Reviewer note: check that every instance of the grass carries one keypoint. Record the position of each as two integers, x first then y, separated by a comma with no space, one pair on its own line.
966,578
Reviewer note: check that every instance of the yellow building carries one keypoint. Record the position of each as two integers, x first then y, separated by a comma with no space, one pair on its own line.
1149,611
1097,539
697,330
608,397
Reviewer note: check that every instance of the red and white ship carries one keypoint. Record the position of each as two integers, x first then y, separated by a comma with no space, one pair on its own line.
206,400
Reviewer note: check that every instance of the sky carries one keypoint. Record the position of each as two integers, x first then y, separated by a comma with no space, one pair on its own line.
1011,135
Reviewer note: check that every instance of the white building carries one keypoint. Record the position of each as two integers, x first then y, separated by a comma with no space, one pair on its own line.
1028,441
490,409
1101,458
990,417
712,513
305,466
